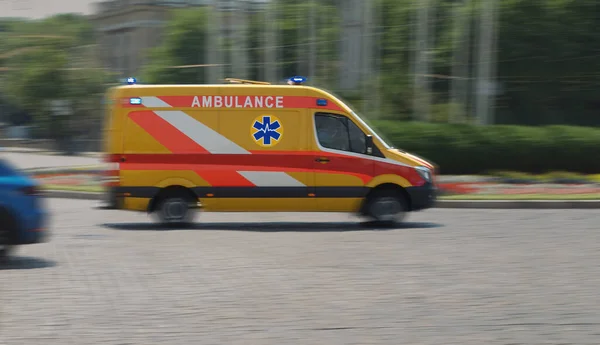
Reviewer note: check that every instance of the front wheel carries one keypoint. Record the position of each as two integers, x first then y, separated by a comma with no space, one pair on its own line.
387,207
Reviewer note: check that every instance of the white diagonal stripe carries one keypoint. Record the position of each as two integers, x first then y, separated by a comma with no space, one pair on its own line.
154,102
271,179
203,135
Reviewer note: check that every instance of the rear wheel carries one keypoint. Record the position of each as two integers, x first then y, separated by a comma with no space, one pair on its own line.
387,206
175,207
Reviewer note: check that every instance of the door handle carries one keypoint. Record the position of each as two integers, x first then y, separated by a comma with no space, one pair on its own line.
322,160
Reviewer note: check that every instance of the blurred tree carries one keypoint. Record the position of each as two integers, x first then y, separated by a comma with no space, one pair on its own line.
547,55
396,76
183,45
47,60
549,62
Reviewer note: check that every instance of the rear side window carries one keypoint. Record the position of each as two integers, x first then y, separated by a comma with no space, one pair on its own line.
7,169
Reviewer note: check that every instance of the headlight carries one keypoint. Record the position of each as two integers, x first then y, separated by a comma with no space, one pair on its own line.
424,172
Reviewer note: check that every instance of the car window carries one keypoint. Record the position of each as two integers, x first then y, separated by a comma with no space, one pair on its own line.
332,132
339,133
7,169
358,141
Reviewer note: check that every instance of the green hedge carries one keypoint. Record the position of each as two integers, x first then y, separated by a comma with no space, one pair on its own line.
469,149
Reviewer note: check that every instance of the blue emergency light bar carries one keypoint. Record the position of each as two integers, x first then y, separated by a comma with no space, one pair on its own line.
131,81
297,80
321,102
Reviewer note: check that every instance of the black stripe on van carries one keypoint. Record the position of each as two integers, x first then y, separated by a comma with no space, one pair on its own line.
254,192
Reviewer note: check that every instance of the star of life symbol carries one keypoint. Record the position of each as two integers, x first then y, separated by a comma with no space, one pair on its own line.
267,130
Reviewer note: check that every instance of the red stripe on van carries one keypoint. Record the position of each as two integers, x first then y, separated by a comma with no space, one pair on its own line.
308,102
224,174
271,162
223,178
165,133
301,102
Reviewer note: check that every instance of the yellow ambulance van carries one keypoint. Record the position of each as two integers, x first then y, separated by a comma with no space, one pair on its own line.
248,146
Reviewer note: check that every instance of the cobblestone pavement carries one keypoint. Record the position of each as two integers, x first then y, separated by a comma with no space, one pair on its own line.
447,277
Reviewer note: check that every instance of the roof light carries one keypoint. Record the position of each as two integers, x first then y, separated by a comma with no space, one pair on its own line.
321,102
297,80
131,80
135,101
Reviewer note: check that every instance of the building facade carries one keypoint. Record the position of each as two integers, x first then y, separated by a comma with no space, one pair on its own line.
127,29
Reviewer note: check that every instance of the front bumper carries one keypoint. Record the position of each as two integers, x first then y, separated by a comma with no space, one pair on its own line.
422,197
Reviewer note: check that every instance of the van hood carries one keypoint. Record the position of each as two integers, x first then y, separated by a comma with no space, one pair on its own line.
409,158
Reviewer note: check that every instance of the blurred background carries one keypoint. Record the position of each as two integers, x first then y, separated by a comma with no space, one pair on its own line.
427,72
503,95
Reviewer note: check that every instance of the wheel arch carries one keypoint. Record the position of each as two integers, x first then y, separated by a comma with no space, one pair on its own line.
386,186
170,191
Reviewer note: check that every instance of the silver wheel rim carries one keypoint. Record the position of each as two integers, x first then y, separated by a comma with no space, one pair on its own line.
388,209
174,210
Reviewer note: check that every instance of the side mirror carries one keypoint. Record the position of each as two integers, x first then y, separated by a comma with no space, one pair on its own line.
369,144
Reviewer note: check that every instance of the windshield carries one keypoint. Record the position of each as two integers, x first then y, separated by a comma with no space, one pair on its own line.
384,140
379,137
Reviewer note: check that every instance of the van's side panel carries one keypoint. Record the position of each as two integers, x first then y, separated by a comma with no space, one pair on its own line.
263,178
163,155
175,137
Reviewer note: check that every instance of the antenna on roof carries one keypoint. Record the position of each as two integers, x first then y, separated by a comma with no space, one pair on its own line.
243,81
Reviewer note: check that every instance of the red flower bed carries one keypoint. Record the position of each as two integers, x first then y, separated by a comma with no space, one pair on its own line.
566,190
491,188
458,187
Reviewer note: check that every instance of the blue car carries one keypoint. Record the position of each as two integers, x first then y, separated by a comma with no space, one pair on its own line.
23,217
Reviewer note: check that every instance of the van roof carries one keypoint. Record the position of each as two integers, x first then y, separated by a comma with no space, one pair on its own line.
170,89
179,86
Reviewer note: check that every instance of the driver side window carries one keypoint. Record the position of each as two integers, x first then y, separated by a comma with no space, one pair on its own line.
339,133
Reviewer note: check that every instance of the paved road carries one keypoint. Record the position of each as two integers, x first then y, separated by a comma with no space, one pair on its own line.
32,160
448,277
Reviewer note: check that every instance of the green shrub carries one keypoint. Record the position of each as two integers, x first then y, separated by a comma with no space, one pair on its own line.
515,177
565,177
470,149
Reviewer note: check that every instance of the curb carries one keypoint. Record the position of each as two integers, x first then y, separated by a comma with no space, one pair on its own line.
462,204
519,204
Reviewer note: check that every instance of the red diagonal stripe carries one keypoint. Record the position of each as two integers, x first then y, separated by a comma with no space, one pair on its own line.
165,133
224,178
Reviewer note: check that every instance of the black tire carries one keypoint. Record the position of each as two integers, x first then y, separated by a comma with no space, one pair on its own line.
5,253
7,233
387,207
175,207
